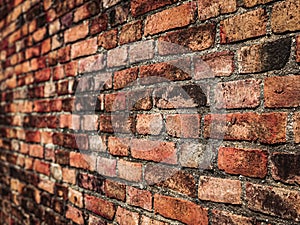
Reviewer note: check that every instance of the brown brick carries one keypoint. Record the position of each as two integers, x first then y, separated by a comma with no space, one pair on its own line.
82,48
124,217
139,7
106,166
118,15
131,32
285,167
83,161
273,201
179,16
222,217
42,75
124,78
108,39
100,206
87,10
264,57
251,3
246,162
96,220
139,100
154,150
285,16
140,198
278,89
141,51
115,190
298,49
213,8
182,210
296,126
75,215
193,38
110,3
248,25
220,190
75,33
238,94
266,128
118,146
130,171
99,24
183,125
149,124
149,221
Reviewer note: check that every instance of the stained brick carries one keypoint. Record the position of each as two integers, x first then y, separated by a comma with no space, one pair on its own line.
88,9
131,32
140,198
296,126
118,146
108,39
124,217
229,218
75,215
115,190
125,77
149,124
83,48
139,7
183,125
298,49
213,8
130,171
99,24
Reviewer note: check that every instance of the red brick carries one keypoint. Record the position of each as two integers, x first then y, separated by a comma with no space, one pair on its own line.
149,124
115,123
39,34
141,51
41,167
87,10
108,39
119,14
75,215
42,75
179,209
264,57
77,32
266,128
183,125
285,16
161,72
296,126
99,24
195,155
69,175
130,171
214,65
106,166
140,198
273,201
139,100
179,16
154,150
124,78
131,32
222,217
238,94
278,89
149,221
251,3
100,206
96,220
33,136
118,146
115,190
71,69
126,217
90,182
117,57
36,151
83,48
298,49
56,41
75,197
193,38
115,102
139,7
246,162
64,54
46,185
220,190
83,161
285,167
245,26
208,9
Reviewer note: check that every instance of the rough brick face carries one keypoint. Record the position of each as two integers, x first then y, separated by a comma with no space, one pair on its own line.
296,126
139,7
298,49
241,27
208,9
183,125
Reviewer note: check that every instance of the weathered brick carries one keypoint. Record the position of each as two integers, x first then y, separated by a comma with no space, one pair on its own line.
238,94
83,48
118,15
42,75
264,57
183,125
124,78
117,57
115,190
110,3
139,7
96,220
115,123
248,25
149,124
118,146
141,51
246,162
179,16
108,39
208,9
273,201
76,33
99,24
91,182
115,102
182,210
278,89
220,190
91,63
222,217
41,167
266,128
69,175
296,126
298,49
75,215
285,16
140,198
130,171
124,217
251,3
106,166
149,221
285,167
83,161
194,38
85,11
131,32
154,150
100,206
139,100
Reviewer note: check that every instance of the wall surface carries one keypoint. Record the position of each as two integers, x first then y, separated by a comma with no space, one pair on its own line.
149,112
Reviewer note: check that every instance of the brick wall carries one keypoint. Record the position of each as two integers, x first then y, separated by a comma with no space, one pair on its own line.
149,112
